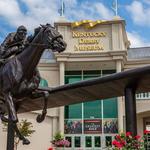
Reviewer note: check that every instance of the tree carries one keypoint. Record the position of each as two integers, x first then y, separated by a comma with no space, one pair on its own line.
25,128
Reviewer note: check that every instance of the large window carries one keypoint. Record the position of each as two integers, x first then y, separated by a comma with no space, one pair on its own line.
90,117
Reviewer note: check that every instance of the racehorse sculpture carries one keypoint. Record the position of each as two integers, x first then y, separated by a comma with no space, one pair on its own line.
22,67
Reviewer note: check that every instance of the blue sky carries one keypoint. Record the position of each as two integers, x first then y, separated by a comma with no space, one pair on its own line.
31,13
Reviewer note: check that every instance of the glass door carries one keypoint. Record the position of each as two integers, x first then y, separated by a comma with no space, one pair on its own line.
92,142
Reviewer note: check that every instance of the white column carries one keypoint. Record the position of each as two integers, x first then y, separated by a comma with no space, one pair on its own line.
54,125
61,109
120,101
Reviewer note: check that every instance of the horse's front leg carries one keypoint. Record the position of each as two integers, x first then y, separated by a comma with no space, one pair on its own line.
45,95
11,107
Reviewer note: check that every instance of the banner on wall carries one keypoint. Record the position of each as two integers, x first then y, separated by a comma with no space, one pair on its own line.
110,126
93,126
73,126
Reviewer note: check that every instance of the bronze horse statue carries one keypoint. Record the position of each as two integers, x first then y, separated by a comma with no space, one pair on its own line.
22,67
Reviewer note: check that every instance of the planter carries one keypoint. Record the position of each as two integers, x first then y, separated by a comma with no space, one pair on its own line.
59,148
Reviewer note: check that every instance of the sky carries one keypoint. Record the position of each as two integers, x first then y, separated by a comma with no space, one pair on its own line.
32,13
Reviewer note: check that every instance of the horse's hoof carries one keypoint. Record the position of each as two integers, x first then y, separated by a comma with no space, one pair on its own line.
25,142
40,118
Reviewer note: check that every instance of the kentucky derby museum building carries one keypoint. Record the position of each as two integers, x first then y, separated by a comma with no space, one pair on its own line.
94,49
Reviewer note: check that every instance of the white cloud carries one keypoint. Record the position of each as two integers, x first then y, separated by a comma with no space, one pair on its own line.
9,8
43,11
136,40
104,12
38,11
146,1
70,3
46,11
139,13
88,10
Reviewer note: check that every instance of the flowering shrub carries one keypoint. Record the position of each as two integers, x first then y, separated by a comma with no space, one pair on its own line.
126,141
59,141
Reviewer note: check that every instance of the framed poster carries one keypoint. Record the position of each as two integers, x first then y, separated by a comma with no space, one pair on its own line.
73,126
110,126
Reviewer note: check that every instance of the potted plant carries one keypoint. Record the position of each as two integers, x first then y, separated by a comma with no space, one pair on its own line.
59,142
25,128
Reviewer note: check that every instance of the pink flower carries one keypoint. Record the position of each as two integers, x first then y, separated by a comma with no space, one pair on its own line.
61,143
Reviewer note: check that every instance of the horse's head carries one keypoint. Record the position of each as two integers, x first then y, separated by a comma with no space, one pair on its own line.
53,38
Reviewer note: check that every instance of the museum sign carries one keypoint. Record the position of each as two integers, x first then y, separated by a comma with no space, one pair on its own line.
88,41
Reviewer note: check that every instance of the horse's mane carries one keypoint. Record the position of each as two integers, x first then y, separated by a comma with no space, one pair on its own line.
31,37
36,31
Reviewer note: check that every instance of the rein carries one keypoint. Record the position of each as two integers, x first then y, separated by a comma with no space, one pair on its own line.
37,44
15,44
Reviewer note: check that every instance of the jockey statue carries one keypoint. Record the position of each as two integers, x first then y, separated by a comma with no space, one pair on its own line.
14,44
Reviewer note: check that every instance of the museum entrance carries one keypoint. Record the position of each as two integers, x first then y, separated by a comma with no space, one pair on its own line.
90,125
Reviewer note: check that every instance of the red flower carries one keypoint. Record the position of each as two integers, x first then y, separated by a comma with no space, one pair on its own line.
146,131
50,148
123,142
128,133
114,142
117,144
137,137
118,137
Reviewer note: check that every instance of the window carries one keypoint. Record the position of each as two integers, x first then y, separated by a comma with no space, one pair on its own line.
108,140
77,141
73,111
110,108
69,138
72,79
88,141
92,110
97,141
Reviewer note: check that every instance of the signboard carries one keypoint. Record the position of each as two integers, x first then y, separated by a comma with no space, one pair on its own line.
93,126
88,41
